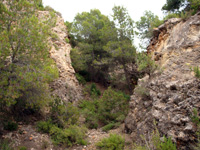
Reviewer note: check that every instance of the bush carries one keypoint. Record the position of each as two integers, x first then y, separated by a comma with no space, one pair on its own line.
10,126
113,142
22,148
112,105
67,40
69,136
110,126
94,91
146,64
63,114
196,121
155,142
44,126
80,79
171,15
196,71
5,144
142,92
90,110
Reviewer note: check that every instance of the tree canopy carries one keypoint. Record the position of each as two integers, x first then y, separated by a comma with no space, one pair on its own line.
177,5
145,27
25,65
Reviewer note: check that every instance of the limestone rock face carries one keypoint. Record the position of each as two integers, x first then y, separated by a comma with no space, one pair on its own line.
66,86
175,91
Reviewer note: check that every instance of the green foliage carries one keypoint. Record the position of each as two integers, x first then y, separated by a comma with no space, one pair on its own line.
26,68
80,79
5,144
110,126
69,136
194,4
102,43
121,48
88,29
195,117
167,144
154,142
112,105
145,25
90,111
196,121
113,142
10,126
111,108
94,90
22,148
44,126
173,5
63,115
196,71
73,134
146,64
142,92
62,124
185,5
171,15
67,40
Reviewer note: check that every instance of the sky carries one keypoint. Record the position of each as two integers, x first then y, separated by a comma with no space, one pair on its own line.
136,8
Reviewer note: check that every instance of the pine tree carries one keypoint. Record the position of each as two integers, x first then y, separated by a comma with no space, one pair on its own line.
25,65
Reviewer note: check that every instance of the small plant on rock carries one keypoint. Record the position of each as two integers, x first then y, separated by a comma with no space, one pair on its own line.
196,71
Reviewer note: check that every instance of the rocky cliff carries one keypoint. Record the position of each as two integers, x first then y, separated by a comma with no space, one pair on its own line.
175,91
66,86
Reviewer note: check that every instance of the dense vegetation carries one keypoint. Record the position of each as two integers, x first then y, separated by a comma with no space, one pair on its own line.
25,65
103,52
101,44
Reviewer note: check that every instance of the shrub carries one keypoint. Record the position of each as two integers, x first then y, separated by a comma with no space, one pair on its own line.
67,40
44,126
113,142
196,121
90,110
142,92
94,91
196,71
63,114
22,148
80,79
69,136
171,15
155,142
146,64
112,105
5,144
10,126
110,126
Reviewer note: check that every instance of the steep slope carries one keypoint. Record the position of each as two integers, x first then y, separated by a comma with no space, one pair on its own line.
66,86
175,92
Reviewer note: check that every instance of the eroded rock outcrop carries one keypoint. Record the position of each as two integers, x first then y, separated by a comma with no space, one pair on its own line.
66,86
175,91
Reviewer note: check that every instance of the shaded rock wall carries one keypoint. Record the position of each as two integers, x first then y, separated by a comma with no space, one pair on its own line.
66,86
175,92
